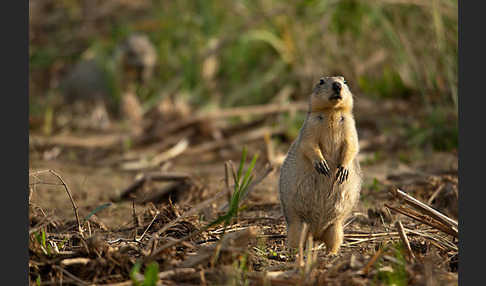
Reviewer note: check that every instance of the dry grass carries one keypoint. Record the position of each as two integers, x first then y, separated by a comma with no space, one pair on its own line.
250,250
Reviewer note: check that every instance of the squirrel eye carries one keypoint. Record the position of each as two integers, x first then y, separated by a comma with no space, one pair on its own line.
321,81
345,82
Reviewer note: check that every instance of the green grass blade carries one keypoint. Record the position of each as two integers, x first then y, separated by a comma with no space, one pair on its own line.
100,208
244,187
248,172
151,274
43,241
240,190
135,269
240,168
38,237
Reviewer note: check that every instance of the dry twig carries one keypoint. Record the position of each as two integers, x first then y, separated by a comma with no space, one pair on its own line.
404,239
74,261
171,153
148,227
424,219
75,208
426,209
372,261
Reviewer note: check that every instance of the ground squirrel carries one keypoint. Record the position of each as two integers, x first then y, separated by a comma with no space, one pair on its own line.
138,58
320,179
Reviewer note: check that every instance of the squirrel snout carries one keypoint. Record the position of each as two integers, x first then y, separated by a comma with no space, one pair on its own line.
336,86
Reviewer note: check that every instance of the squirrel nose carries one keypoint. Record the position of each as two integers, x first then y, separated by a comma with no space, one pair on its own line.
336,86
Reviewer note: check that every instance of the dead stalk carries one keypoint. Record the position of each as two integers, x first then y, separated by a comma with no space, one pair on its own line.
150,224
426,209
75,208
311,257
403,237
425,219
302,240
372,261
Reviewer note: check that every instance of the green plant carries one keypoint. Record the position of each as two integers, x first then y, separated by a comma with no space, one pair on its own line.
41,238
240,190
396,274
60,245
150,277
241,183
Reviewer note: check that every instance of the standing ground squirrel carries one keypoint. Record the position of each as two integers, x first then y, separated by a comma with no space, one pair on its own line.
320,179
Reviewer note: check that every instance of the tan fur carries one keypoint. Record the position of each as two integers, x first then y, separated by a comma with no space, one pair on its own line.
307,195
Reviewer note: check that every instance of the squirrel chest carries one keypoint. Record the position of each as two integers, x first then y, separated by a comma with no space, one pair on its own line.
329,128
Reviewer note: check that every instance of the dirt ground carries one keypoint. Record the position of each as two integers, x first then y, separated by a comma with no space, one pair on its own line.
253,250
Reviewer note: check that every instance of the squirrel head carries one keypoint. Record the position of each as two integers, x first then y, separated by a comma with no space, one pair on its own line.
331,93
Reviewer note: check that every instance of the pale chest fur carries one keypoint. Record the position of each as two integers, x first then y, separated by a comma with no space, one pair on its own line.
330,131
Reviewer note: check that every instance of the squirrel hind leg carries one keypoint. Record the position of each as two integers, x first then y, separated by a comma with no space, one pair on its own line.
294,232
333,237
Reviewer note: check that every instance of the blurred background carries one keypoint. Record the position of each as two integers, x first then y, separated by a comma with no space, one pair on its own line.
218,54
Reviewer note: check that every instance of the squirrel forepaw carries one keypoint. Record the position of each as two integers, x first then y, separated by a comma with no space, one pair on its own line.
342,174
322,167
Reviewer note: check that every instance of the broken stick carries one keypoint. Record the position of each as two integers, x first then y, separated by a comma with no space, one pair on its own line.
425,208
403,237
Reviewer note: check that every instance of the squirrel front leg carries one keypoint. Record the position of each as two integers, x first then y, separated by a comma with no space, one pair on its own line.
310,148
349,151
